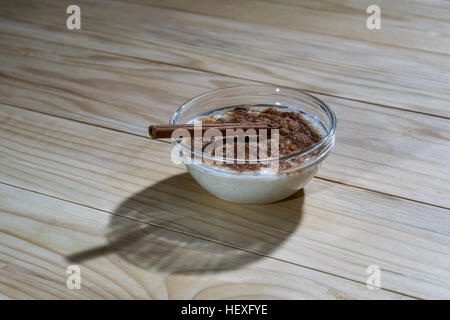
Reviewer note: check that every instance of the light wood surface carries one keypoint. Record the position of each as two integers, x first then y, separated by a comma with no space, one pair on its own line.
383,149
406,23
81,184
135,178
381,74
122,258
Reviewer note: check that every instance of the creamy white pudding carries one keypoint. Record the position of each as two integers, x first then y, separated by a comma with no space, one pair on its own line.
258,182
253,184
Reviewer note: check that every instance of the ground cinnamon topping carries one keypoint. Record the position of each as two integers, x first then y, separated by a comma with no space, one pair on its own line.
296,132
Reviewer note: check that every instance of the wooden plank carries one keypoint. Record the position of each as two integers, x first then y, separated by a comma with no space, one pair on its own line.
117,92
385,75
331,227
377,148
419,25
124,259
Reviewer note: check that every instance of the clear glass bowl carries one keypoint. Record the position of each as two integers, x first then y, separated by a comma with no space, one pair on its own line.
256,187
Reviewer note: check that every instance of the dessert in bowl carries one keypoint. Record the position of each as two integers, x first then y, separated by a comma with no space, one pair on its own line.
304,136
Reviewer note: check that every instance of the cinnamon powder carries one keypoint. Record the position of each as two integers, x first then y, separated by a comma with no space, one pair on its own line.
296,133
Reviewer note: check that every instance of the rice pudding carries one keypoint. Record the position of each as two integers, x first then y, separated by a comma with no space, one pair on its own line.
305,139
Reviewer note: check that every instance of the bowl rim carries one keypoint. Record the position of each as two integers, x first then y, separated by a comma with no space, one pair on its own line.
327,109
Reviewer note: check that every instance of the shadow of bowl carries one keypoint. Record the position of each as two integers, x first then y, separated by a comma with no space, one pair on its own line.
176,226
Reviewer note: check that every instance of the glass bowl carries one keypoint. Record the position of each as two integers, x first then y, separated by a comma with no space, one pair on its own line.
256,187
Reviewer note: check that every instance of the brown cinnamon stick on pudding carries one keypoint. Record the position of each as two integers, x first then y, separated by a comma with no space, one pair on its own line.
166,130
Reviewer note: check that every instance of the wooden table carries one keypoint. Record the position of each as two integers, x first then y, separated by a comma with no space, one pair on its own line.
82,184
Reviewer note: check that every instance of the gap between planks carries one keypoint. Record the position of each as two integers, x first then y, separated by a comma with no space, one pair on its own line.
251,79
244,78
272,83
374,99
198,206
309,31
167,142
204,238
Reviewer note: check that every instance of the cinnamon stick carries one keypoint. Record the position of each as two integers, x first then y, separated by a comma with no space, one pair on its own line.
166,130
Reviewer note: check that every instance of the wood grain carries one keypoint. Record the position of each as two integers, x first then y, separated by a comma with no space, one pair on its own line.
124,259
80,185
364,71
377,148
331,227
418,25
